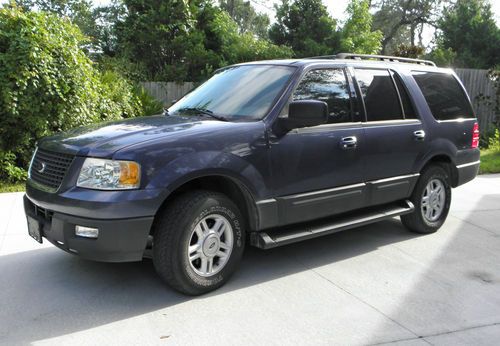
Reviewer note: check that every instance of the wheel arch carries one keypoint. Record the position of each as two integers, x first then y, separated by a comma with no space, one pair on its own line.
447,163
228,185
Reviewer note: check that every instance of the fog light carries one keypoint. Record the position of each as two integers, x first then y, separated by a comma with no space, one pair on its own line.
87,232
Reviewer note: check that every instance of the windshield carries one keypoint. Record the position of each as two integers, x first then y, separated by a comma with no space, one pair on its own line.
244,92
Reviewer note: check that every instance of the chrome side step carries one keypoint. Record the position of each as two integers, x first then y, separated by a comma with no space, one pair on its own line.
291,234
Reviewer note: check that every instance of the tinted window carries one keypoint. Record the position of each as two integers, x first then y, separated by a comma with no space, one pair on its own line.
238,92
405,98
379,94
330,86
443,94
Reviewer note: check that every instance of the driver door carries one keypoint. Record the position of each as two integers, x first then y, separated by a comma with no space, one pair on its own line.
317,170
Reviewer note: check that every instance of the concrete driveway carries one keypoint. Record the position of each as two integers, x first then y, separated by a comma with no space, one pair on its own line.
371,285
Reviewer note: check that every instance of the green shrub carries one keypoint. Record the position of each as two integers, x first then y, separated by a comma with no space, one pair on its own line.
120,94
9,172
48,84
149,105
494,141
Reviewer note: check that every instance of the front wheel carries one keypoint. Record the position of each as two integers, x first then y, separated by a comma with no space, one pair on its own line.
432,198
198,242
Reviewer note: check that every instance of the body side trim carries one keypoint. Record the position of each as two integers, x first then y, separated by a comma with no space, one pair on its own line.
468,164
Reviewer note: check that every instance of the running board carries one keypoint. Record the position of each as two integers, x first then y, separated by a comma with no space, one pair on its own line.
277,237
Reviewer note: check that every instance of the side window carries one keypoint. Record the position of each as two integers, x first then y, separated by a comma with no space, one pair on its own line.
379,94
444,95
330,86
405,98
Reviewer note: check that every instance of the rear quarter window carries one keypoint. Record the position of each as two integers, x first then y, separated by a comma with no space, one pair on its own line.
444,95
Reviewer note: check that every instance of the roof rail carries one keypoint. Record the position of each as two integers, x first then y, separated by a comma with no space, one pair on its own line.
376,57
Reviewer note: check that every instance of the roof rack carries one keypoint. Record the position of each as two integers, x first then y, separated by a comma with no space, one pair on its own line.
376,57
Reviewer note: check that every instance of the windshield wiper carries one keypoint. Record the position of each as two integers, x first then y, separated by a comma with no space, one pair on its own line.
204,111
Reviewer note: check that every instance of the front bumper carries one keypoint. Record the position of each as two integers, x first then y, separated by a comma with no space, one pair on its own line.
120,240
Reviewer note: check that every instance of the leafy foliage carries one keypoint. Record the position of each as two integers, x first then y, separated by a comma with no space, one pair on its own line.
443,57
149,105
469,29
306,27
9,172
357,35
48,84
409,51
494,142
79,12
245,16
186,40
490,157
403,21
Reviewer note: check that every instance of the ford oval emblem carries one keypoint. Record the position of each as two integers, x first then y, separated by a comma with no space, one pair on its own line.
42,167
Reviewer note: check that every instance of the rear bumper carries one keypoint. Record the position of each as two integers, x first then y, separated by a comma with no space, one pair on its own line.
467,172
120,240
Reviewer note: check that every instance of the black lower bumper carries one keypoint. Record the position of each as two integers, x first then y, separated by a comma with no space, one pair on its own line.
122,240
467,172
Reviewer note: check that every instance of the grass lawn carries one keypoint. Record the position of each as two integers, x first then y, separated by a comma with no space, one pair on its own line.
490,161
7,187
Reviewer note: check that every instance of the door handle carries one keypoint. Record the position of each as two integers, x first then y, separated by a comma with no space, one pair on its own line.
419,135
350,142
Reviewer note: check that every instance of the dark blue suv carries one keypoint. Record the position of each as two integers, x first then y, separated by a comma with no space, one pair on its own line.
269,152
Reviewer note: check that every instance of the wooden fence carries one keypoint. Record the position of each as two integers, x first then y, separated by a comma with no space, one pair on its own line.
167,92
476,82
479,84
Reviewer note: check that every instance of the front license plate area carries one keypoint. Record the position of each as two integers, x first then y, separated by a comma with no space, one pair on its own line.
35,229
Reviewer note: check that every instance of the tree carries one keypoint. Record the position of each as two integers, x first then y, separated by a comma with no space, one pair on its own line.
245,16
357,35
157,34
102,32
78,11
468,28
305,26
185,40
442,57
95,23
409,51
403,21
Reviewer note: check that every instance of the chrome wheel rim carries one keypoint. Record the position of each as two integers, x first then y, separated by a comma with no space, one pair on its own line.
210,245
433,200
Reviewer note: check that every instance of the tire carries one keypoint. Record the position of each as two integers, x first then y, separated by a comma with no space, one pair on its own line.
426,218
189,226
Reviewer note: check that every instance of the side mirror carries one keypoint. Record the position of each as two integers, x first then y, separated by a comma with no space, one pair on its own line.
306,113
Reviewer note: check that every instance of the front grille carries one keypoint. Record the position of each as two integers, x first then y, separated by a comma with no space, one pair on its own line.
49,168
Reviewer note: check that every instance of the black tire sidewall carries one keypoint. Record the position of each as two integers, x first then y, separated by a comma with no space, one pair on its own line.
225,209
433,172
180,225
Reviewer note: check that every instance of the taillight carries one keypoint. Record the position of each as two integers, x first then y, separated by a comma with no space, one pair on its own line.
475,136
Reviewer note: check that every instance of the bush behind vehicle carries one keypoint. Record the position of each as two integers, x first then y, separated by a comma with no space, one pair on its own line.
48,84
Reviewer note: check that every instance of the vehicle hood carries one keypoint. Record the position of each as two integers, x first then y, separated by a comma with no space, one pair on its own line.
102,140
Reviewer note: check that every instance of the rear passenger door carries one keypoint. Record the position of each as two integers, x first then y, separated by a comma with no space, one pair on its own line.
394,136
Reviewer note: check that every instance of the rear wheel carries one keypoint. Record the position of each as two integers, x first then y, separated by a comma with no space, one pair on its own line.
432,198
198,242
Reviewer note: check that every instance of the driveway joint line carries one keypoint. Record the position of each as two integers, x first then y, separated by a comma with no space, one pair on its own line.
422,337
361,300
473,224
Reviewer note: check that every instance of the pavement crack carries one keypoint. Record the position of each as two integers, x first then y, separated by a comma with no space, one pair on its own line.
473,224
360,300
422,337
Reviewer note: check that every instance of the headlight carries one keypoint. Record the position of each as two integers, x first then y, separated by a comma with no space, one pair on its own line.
103,174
